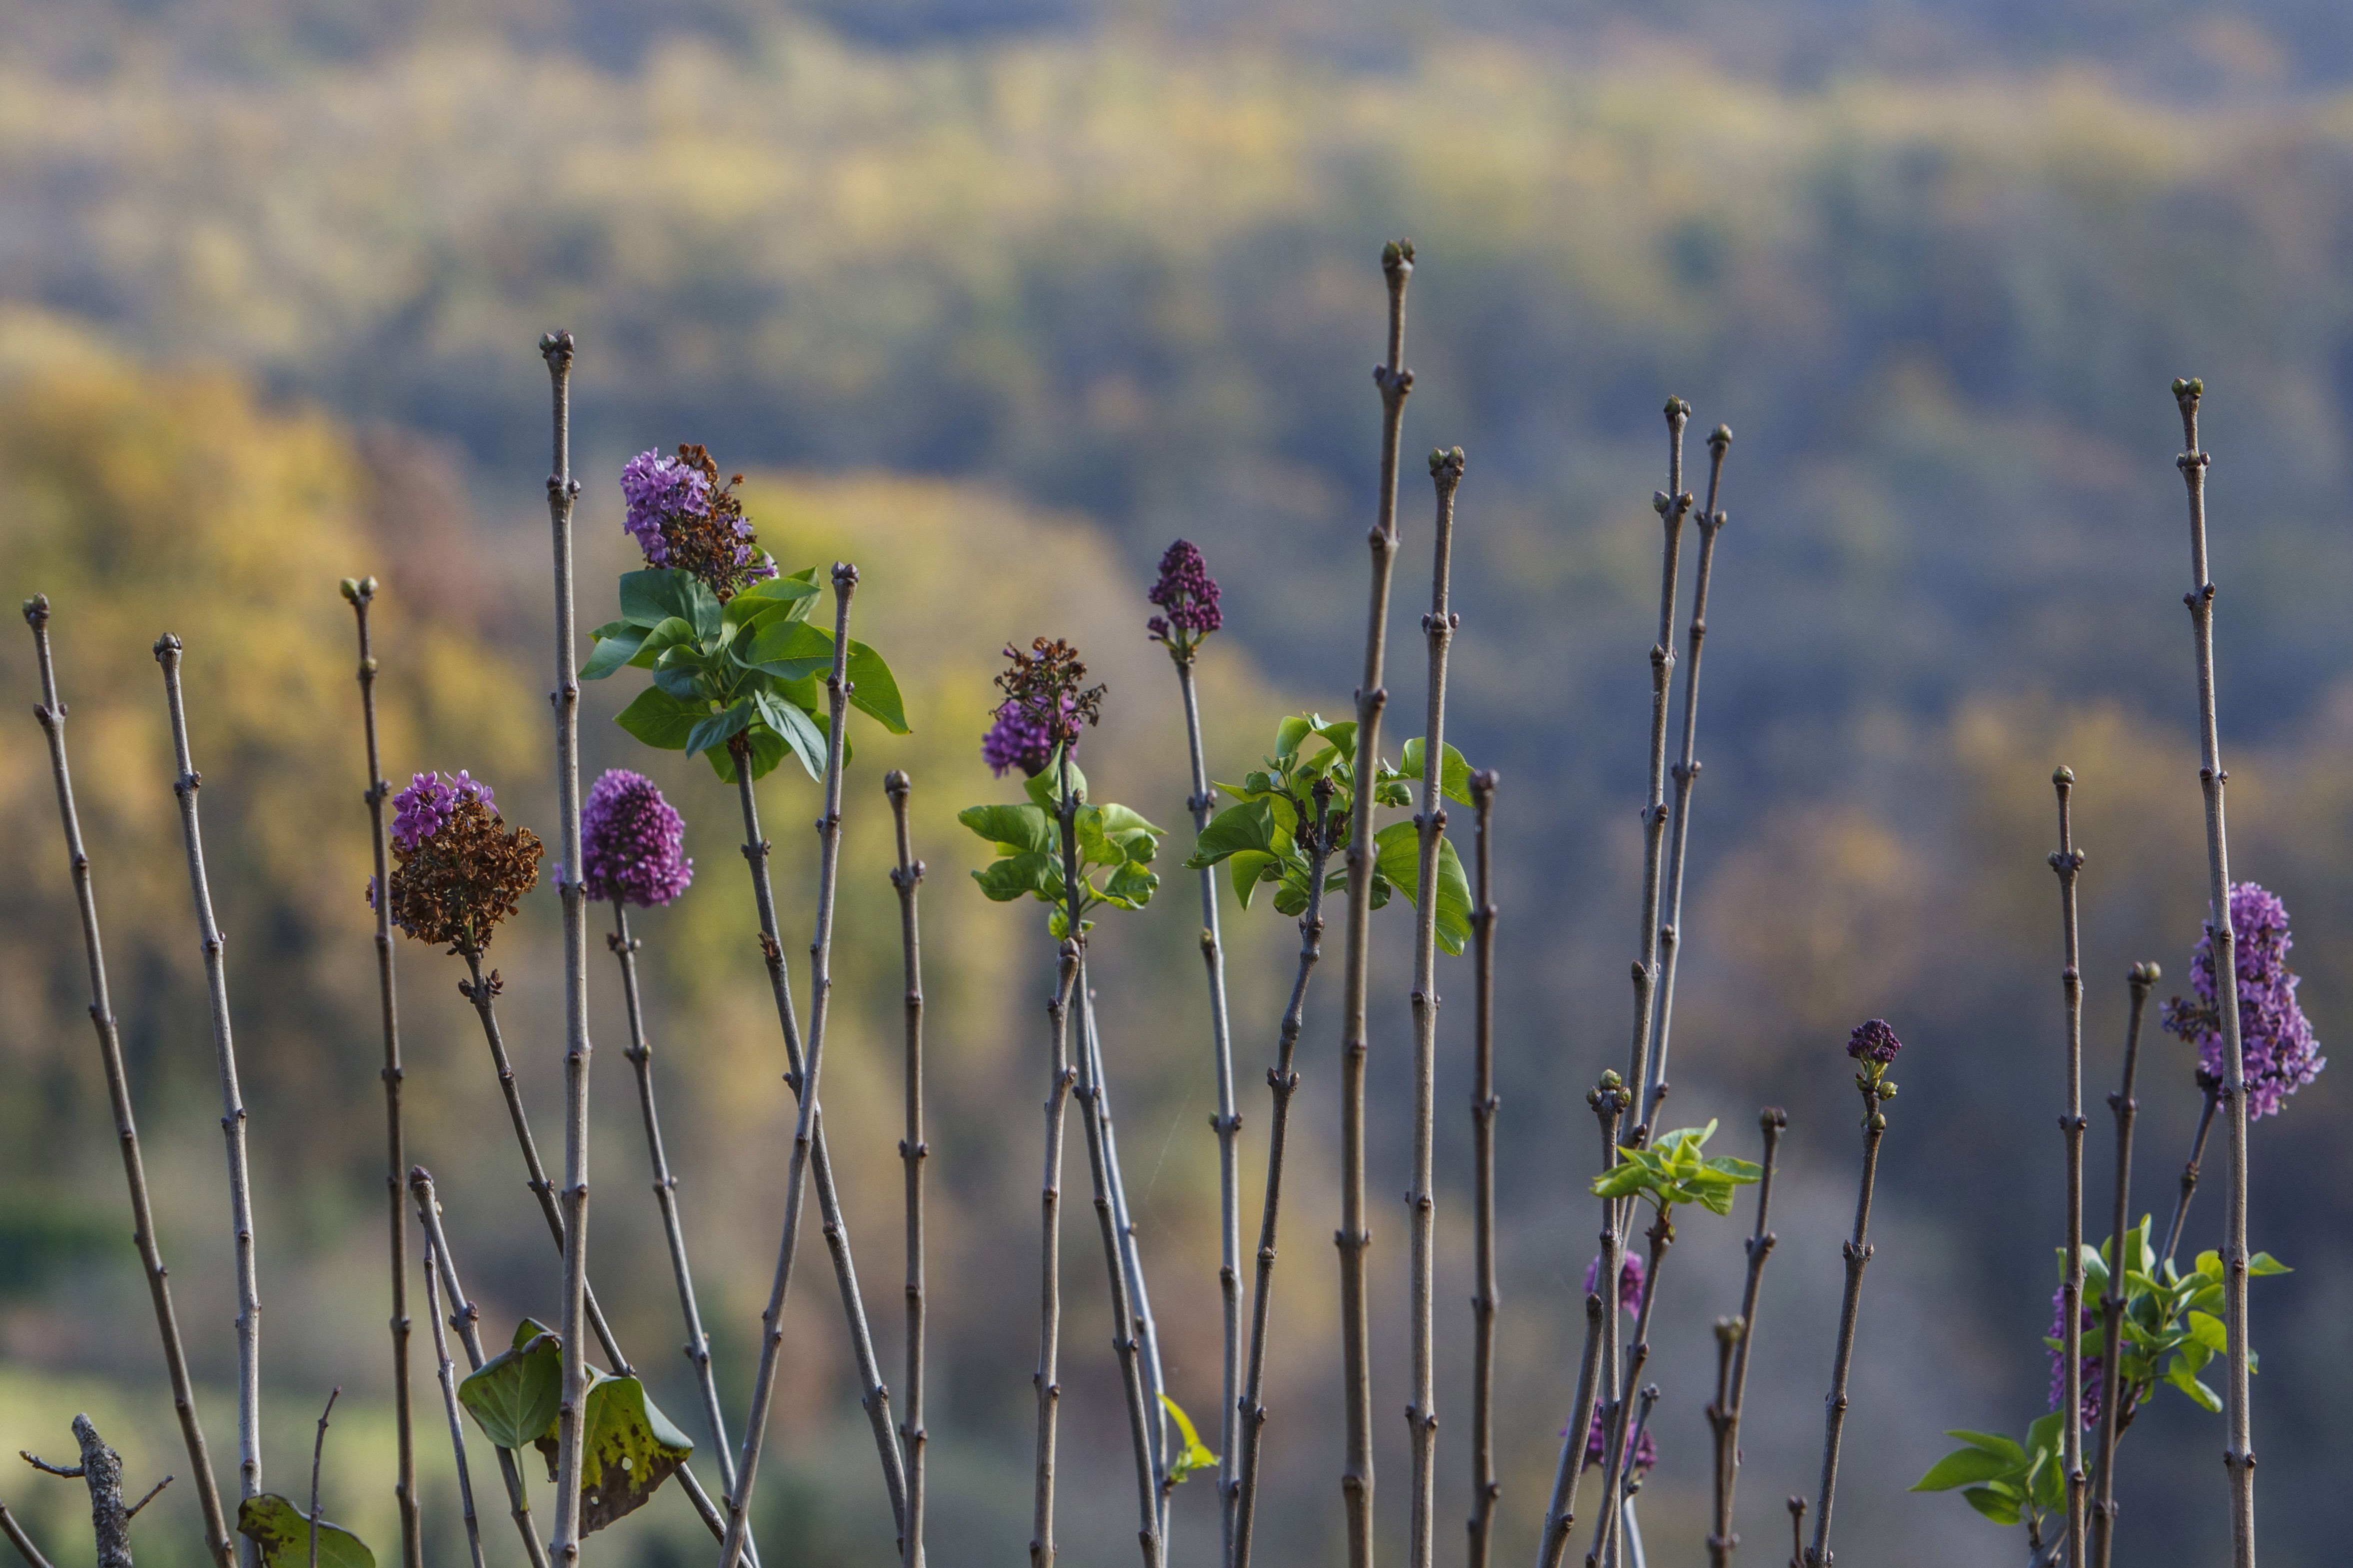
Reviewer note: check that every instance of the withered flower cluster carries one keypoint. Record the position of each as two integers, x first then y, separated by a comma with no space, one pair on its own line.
460,869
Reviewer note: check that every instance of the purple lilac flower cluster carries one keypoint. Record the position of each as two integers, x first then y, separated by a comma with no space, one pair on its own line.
631,842
419,811
1873,1044
681,516
1630,1282
2276,1043
1188,594
1597,1447
1046,704
1019,739
2094,1371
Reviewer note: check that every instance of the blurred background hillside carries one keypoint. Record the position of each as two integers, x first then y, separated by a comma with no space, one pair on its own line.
997,297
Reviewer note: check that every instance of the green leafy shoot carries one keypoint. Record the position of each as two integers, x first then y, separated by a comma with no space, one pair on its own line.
1115,850
1195,1455
752,669
283,1532
1269,836
1672,1170
2170,1329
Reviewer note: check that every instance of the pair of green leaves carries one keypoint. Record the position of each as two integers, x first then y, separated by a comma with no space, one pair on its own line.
282,1531
628,1447
1270,835
1673,1170
1116,848
2169,1331
1195,1455
751,668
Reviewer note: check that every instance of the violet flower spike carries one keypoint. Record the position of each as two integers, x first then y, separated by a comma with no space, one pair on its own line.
1630,1282
1596,1450
632,843
2094,1366
2277,1042
1188,596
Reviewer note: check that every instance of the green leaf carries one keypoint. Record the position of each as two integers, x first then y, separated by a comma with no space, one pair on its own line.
613,650
1999,1504
1195,1455
1045,786
1289,734
1964,1467
681,671
282,1531
873,690
774,594
1453,772
1248,827
1993,1443
1018,876
1250,867
794,729
1012,829
767,747
1131,886
717,729
2265,1263
790,650
2206,1330
629,1449
662,721
514,1394
1399,851
651,596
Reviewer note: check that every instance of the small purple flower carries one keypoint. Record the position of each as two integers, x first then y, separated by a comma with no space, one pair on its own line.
1018,739
419,811
683,517
1873,1044
1629,1281
657,489
2092,1370
1597,1445
1189,595
2277,1046
630,843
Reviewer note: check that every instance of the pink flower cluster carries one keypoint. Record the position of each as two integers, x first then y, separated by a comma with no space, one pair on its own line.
419,811
632,842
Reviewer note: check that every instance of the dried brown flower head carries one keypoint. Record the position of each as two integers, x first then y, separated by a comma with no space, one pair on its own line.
456,884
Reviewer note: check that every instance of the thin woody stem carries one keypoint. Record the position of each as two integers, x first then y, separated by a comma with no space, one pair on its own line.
481,991
362,595
448,1374
1618,1460
2112,1303
318,1456
1858,1255
233,1118
1608,1099
2190,1173
747,1470
1711,520
556,348
2239,1455
907,875
102,1470
1355,1314
1048,1379
877,1396
1227,1123
467,1319
1673,504
1484,1488
2068,862
641,1054
1735,1337
51,712
23,1543
1131,1256
1282,1080
1421,1203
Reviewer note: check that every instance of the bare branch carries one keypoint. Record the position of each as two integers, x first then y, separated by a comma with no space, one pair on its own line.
447,1374
2112,1304
23,1543
1608,1099
1858,1254
1048,1378
2068,862
1735,1338
1484,1488
907,875
318,1453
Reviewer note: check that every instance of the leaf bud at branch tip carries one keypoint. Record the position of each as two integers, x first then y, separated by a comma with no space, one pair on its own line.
37,610
2062,775
351,590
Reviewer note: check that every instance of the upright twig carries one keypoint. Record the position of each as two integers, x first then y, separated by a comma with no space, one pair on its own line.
241,1180
360,593
52,716
1618,1456
318,1454
1356,1313
876,1394
467,1319
2190,1173
1673,504
2238,1456
640,1056
2068,862
101,1469
1797,1506
828,831
448,1374
2112,1303
1735,1338
556,348
1711,520
1608,1099
1227,1123
1421,1203
1858,1254
1282,1080
907,875
1048,1379
1484,1488
24,1544
1094,1089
